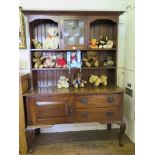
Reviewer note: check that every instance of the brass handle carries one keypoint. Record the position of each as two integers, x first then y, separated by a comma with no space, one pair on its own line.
110,113
110,99
83,101
84,114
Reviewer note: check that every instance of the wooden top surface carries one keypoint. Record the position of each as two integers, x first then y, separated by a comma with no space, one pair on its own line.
65,12
75,91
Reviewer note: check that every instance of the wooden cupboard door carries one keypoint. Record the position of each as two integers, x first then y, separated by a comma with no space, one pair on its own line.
74,32
92,101
49,110
98,114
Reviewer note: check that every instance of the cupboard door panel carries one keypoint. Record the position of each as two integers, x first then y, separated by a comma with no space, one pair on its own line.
49,110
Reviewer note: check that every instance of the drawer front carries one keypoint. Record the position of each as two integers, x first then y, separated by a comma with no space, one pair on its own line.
45,110
88,101
97,114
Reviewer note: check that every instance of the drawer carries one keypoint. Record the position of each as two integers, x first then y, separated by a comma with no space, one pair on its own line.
97,114
88,101
49,110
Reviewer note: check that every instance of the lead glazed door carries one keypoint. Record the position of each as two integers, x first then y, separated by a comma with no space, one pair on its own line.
74,32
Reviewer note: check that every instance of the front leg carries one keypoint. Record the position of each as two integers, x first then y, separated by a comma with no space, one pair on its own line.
109,127
122,130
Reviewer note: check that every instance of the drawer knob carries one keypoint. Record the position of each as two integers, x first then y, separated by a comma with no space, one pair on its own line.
83,101
84,114
110,99
110,113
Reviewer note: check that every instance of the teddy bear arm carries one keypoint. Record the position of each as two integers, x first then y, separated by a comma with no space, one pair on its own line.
35,59
96,64
36,65
88,64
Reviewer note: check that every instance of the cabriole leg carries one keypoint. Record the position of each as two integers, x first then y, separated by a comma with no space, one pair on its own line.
122,130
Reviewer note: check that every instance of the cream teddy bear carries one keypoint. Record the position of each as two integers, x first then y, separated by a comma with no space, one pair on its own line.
63,82
52,41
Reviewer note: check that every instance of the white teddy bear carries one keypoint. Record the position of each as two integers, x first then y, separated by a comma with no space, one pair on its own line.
63,82
52,41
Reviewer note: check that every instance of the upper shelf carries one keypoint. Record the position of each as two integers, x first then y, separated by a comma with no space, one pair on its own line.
88,49
74,68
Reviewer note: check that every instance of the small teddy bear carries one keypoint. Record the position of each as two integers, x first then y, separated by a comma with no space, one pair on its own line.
38,60
91,59
104,42
108,62
52,41
63,82
49,62
78,82
60,61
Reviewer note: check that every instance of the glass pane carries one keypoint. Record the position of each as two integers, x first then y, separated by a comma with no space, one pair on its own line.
74,32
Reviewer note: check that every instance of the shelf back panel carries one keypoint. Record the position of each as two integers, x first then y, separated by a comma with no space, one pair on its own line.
49,78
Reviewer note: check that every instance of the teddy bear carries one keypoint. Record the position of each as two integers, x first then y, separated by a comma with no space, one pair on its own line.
60,61
93,43
104,42
78,82
108,62
36,44
49,62
63,82
38,60
91,59
98,80
52,40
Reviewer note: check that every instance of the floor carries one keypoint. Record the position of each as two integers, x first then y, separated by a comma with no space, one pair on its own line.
96,142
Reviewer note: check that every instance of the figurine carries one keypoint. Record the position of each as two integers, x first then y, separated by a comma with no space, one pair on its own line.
93,43
74,59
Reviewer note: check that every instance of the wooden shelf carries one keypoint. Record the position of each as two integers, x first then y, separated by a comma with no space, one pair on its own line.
87,68
64,50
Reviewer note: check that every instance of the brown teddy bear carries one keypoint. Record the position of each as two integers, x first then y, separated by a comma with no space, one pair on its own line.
38,60
36,44
91,59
